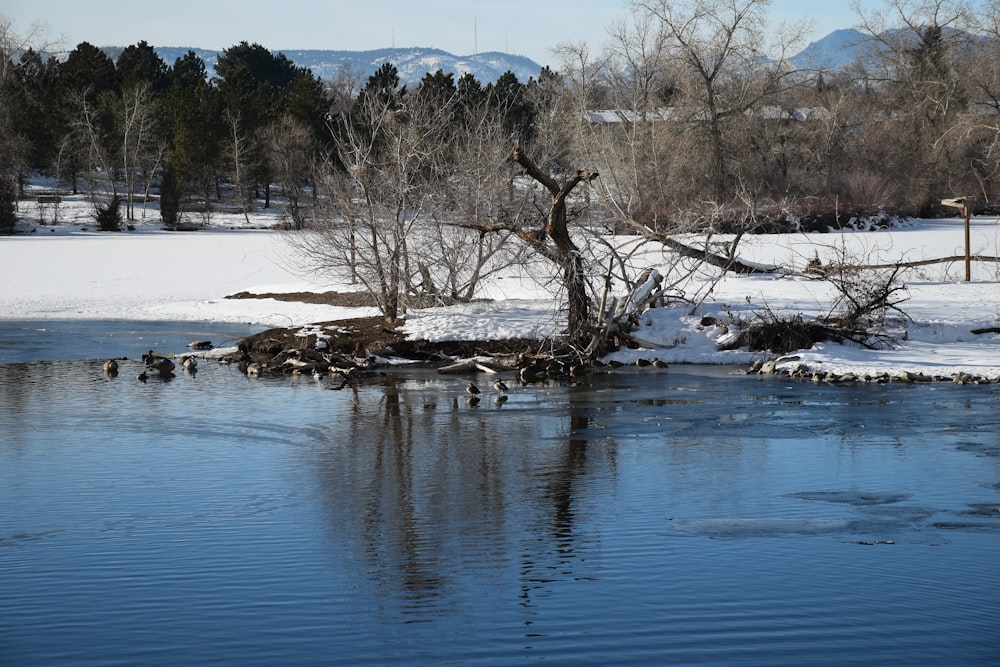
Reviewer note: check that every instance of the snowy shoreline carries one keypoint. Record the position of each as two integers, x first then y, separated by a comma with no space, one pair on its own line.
71,272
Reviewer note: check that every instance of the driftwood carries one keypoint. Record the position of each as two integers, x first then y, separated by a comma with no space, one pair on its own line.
684,250
726,263
648,344
618,319
467,365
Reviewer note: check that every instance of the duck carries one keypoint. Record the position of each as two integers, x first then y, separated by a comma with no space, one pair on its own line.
158,363
163,366
110,367
142,377
472,389
530,374
499,385
190,364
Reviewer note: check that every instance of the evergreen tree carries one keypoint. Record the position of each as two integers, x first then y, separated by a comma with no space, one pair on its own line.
308,104
170,198
140,64
88,85
383,87
8,205
34,100
471,99
109,216
90,72
437,90
254,84
381,100
192,125
507,96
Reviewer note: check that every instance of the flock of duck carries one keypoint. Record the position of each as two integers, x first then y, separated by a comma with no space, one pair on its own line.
474,393
155,363
163,367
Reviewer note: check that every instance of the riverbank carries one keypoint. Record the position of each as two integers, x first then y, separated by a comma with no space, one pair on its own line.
70,272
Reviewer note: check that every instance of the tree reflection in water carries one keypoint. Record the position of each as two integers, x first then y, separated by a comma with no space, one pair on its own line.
432,496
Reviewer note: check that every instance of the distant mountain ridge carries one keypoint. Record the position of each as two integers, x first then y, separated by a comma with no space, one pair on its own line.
843,47
832,52
412,63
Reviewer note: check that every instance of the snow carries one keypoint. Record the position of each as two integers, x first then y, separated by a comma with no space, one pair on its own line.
71,271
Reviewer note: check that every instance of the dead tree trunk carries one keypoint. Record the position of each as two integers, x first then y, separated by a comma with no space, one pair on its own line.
562,251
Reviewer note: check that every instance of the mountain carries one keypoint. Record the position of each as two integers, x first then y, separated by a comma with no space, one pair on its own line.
412,63
843,47
835,51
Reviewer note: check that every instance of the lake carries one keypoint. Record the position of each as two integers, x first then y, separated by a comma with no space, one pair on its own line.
640,517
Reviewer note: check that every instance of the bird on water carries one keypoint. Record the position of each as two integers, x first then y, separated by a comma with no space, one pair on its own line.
472,389
499,385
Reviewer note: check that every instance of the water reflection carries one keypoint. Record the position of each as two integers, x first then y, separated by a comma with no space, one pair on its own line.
392,522
428,495
432,494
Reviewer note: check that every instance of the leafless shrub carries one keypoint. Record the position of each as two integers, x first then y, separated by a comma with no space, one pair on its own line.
868,193
865,296
781,334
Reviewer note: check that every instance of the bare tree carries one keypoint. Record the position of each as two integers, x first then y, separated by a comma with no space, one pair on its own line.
14,146
476,193
87,146
920,72
552,240
377,203
238,146
13,43
140,155
291,148
979,126
719,51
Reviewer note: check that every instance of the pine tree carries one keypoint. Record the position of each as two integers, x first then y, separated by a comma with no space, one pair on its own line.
109,218
8,204
170,198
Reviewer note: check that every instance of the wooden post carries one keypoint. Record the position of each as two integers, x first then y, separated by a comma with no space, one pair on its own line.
964,206
968,258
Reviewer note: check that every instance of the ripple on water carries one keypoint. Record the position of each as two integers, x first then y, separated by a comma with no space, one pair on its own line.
666,520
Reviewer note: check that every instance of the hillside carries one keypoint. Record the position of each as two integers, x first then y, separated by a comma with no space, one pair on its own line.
833,52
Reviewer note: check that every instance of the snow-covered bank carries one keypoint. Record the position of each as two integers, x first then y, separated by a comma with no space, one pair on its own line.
150,274
154,275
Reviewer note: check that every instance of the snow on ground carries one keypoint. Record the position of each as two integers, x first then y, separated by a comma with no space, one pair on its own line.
71,271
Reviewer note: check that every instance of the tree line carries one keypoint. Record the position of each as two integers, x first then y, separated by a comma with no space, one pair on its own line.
131,123
421,192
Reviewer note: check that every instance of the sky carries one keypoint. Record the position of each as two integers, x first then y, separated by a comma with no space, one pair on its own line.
525,27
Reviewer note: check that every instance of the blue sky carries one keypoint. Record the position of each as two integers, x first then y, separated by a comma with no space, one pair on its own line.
526,27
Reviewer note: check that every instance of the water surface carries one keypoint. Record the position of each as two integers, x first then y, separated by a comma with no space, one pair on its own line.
680,517
65,340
